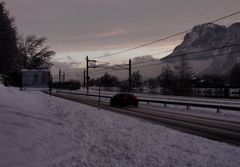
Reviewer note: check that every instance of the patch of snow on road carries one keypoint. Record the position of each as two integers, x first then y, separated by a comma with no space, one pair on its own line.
39,130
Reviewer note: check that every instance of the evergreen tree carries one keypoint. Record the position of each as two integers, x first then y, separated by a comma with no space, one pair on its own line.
235,75
10,59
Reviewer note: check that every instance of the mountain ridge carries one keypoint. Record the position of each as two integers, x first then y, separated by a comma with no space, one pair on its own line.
207,36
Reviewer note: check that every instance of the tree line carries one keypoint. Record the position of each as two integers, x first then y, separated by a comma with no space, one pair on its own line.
177,80
17,52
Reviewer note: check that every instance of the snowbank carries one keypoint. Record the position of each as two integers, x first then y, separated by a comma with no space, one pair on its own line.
39,130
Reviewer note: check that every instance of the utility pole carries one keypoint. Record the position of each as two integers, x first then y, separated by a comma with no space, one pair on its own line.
84,78
21,85
50,83
87,78
99,94
59,79
130,76
92,65
63,76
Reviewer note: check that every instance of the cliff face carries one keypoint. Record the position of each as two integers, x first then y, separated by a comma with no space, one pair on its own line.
199,46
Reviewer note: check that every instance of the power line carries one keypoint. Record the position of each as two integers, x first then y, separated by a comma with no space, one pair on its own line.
179,55
165,38
196,52
147,65
189,59
171,50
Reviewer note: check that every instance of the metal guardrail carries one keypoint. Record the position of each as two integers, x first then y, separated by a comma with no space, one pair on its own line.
172,102
84,94
193,104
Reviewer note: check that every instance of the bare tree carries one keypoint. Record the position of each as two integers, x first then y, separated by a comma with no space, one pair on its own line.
37,56
166,79
183,70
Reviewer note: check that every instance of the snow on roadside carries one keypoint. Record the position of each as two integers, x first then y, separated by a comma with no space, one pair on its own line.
39,130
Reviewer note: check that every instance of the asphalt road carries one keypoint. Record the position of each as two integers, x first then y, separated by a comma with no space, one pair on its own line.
214,128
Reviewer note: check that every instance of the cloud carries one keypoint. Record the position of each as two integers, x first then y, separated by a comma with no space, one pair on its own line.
110,34
69,58
143,59
65,65
71,69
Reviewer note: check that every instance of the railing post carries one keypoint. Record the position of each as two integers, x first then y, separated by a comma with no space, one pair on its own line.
165,105
218,109
99,96
21,85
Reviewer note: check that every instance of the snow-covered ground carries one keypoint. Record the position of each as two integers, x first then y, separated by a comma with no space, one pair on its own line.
39,130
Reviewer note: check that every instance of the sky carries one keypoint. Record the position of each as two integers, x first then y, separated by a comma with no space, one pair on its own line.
77,28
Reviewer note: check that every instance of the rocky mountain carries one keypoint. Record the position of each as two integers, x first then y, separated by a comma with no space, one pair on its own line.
210,48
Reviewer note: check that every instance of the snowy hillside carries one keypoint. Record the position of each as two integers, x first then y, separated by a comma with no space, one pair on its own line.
39,130
210,36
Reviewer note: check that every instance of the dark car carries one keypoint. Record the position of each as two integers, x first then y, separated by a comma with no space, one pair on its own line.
123,99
